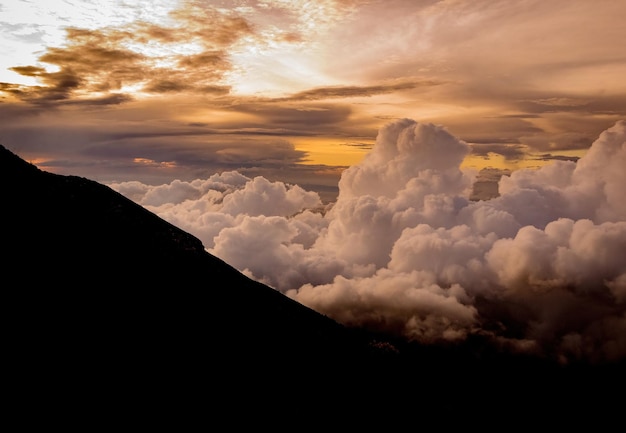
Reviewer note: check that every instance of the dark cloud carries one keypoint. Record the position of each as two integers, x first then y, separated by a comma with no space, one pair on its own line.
84,57
253,137
492,130
519,116
550,157
16,90
556,103
297,119
508,151
58,86
545,103
112,99
151,150
213,59
212,26
29,71
101,60
609,104
354,91
290,37
359,145
214,90
166,86
485,186
491,174
559,141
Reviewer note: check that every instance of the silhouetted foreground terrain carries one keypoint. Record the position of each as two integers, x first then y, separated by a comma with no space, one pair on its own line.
96,274
102,295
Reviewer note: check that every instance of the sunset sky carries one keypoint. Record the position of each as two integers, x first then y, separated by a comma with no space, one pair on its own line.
296,90
328,148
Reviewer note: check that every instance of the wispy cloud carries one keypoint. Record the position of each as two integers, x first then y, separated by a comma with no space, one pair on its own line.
141,57
209,83
353,91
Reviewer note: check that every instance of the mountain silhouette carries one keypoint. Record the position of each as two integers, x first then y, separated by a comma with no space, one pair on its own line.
87,262
102,296
99,289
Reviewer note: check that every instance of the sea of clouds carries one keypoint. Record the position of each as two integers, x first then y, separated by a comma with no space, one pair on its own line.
540,269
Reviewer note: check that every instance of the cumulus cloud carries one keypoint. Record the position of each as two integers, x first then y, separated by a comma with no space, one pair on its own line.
539,269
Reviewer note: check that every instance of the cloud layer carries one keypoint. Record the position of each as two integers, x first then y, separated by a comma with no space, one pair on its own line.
538,269
161,90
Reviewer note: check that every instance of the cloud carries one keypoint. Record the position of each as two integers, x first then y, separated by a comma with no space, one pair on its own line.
404,151
107,145
290,69
295,120
538,269
508,151
139,56
353,91
390,301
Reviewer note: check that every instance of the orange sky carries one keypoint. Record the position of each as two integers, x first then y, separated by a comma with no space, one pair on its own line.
297,90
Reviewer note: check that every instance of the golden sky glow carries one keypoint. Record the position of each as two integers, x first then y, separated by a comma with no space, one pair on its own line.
275,86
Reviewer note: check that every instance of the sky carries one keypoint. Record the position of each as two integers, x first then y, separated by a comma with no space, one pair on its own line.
345,152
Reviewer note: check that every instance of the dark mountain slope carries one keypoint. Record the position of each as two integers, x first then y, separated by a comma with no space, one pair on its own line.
95,281
106,306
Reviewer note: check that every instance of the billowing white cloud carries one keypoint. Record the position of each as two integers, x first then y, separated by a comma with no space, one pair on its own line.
410,304
405,152
261,197
540,268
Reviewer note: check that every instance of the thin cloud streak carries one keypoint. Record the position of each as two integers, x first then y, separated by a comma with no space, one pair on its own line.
352,91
